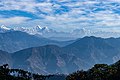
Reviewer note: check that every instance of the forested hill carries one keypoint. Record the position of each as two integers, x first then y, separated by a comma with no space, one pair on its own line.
98,72
18,74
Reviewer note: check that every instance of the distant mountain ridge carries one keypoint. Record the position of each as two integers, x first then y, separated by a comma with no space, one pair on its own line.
16,40
81,54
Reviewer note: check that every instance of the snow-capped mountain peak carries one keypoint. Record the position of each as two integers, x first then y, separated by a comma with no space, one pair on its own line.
45,28
4,27
51,33
38,27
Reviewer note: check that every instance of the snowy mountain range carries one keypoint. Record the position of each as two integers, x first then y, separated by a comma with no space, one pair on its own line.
61,36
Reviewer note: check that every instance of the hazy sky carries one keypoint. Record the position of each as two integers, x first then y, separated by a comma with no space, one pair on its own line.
61,14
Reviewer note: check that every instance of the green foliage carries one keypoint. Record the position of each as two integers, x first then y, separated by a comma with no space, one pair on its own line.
98,72
18,74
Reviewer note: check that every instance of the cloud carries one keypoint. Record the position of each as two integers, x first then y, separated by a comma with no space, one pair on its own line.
26,5
17,5
115,0
64,14
13,20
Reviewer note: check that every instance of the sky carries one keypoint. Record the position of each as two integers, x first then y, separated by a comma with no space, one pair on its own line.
61,15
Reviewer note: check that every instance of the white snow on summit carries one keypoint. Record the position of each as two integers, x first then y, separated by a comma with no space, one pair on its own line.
4,27
55,35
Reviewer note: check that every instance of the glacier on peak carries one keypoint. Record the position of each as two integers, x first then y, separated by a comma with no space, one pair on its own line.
4,27
59,35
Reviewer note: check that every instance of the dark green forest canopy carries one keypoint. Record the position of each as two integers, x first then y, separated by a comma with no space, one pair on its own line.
98,72
18,74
